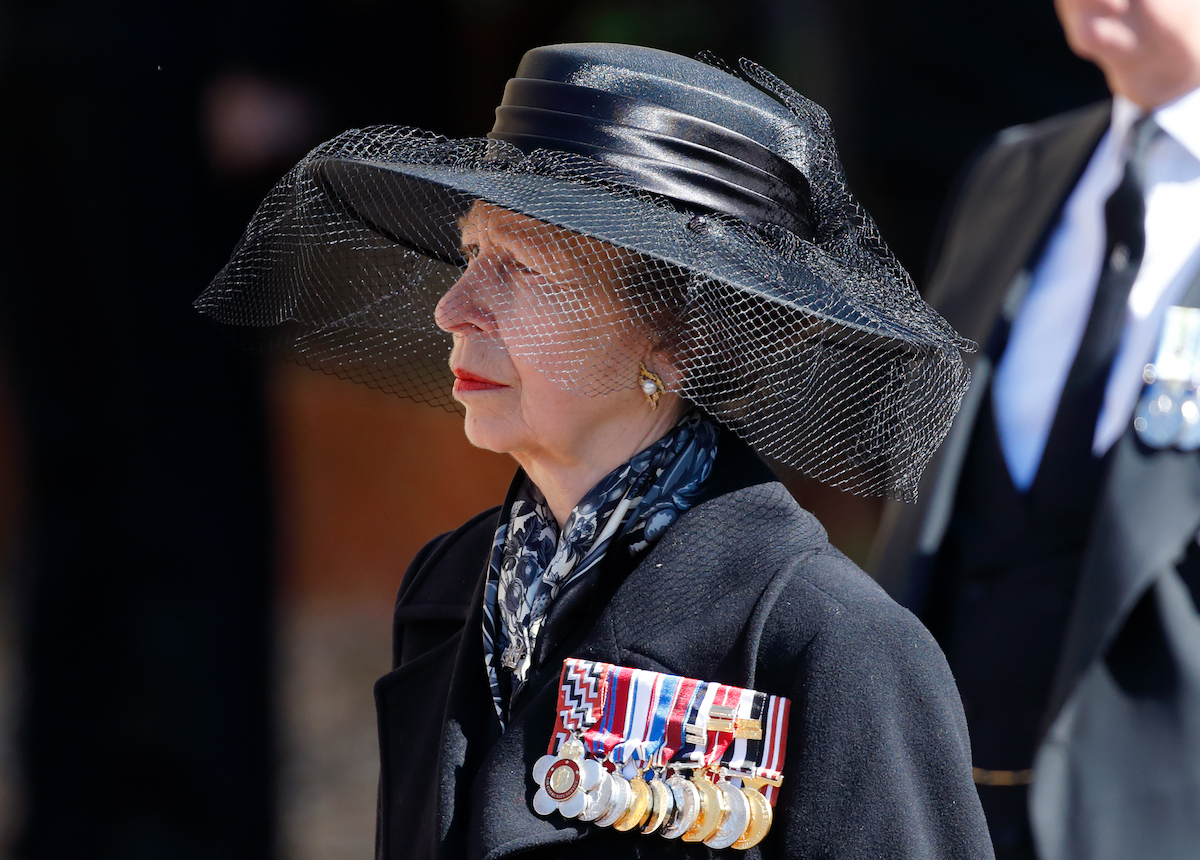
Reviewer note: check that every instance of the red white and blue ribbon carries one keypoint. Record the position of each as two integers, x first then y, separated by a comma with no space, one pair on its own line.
644,719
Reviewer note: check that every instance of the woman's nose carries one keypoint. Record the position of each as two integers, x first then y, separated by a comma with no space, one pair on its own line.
459,310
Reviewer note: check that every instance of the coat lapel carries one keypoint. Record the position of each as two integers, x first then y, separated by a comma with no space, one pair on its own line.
1123,747
1147,518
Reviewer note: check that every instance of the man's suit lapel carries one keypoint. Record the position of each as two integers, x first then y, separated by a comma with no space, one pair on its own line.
1145,521
1123,747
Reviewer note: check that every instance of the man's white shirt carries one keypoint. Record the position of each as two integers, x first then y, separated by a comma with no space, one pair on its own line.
1048,328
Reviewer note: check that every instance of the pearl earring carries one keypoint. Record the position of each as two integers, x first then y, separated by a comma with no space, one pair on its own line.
651,384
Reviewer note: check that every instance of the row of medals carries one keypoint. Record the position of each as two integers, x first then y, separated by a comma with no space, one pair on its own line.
721,815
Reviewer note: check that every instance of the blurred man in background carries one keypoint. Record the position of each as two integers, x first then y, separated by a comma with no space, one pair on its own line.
1054,552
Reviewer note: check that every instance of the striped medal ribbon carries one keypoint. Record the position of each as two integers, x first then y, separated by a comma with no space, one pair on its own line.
624,738
565,774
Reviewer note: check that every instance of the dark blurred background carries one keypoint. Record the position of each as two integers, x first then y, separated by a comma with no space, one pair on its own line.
198,550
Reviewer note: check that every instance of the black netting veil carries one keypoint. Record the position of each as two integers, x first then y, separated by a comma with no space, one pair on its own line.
816,349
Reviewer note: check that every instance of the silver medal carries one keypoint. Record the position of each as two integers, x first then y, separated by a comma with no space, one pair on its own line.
735,822
574,805
543,804
1168,412
1189,430
565,780
541,766
687,807
618,803
589,777
598,798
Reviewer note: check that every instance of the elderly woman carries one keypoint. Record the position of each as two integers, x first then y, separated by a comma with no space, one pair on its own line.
655,282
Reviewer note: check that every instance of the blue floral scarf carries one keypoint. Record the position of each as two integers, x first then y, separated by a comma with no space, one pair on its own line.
531,560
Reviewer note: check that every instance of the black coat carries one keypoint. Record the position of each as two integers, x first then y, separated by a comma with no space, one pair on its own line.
1117,771
743,589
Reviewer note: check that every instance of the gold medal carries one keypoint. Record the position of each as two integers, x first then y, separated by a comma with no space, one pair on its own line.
761,815
639,806
713,809
661,805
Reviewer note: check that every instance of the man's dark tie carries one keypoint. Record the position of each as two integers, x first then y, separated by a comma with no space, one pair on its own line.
1068,455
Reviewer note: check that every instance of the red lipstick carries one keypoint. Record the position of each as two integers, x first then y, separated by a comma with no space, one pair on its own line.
466,381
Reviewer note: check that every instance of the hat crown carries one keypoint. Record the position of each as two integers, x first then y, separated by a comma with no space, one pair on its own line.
664,124
669,80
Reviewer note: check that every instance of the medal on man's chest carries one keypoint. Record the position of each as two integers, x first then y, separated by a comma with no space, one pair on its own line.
1168,412
661,754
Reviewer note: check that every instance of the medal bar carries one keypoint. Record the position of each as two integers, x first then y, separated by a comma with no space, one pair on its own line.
662,754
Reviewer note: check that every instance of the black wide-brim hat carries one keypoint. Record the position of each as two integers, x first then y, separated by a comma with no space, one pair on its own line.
796,327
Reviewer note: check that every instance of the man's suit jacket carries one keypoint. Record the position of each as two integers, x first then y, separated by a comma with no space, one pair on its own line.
744,589
1117,772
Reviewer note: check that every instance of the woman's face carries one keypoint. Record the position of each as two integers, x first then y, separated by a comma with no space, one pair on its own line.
536,300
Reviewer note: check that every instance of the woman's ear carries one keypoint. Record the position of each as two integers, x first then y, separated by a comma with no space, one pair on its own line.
660,361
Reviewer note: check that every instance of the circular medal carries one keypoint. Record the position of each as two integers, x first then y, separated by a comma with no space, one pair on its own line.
639,806
661,804
735,822
685,809
618,803
1189,430
562,779
541,766
760,820
713,809
1158,417
598,798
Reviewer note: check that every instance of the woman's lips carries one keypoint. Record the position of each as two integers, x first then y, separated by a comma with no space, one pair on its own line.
465,381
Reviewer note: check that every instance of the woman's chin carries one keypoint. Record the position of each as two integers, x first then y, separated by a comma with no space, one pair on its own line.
488,433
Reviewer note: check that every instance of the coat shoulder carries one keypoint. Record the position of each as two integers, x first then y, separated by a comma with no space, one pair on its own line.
884,764
1009,148
1089,117
831,610
456,556
878,758
999,207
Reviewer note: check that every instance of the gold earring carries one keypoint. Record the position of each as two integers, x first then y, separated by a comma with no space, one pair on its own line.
651,384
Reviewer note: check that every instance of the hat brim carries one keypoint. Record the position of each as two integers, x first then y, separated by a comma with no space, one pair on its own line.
400,201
